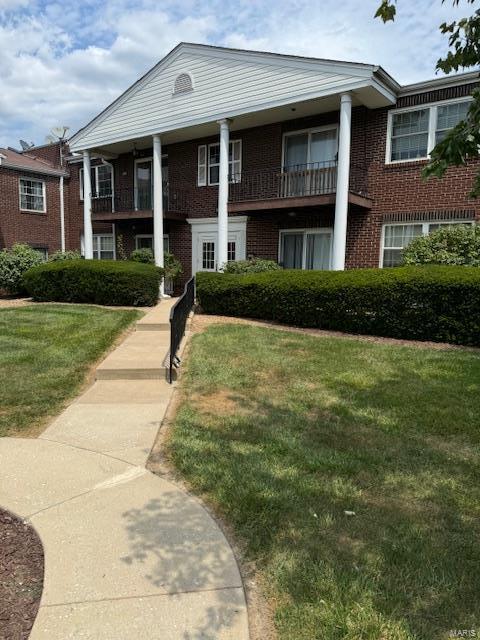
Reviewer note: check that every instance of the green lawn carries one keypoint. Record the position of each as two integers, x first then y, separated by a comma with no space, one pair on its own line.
45,353
286,432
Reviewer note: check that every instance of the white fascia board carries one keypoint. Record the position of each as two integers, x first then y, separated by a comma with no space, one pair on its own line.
143,133
231,218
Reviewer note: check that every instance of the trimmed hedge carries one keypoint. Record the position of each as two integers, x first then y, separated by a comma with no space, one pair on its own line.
107,282
438,303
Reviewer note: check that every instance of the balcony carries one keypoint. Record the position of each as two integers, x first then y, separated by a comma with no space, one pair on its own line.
127,203
299,185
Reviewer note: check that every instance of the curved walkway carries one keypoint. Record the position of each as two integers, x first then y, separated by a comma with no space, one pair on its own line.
128,555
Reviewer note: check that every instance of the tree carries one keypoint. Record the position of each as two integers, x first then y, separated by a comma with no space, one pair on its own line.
463,141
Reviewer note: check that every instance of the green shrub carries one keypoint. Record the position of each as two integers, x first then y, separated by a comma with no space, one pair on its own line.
65,255
95,281
438,303
459,245
173,266
142,255
14,263
252,265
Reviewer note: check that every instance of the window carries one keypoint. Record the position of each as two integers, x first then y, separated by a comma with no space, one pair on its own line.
103,247
145,241
231,251
101,178
32,195
208,255
183,83
43,251
209,163
413,133
448,116
398,236
316,146
306,249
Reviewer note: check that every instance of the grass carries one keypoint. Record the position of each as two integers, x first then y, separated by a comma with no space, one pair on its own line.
45,354
284,433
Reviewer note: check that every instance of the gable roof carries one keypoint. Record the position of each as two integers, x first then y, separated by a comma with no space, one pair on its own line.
226,83
25,162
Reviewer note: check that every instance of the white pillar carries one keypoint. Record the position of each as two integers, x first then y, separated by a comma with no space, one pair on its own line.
158,206
87,207
343,178
222,248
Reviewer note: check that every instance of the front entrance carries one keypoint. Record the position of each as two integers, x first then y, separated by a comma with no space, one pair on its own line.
205,242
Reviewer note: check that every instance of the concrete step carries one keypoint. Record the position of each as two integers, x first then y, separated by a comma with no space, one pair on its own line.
142,356
158,319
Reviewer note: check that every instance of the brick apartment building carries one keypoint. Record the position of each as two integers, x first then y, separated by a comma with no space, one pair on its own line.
218,154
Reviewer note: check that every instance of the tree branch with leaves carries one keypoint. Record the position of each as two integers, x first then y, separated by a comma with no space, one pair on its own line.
462,143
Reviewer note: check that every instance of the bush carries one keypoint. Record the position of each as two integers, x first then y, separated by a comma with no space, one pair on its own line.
142,255
459,245
173,266
65,255
438,303
252,265
95,281
14,263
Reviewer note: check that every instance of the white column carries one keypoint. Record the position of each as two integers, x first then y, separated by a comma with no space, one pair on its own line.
343,178
87,207
222,248
158,206
62,214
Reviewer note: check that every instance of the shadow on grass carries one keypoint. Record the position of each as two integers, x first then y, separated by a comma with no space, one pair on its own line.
396,444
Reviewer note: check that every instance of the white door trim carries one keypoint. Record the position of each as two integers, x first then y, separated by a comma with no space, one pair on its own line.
208,226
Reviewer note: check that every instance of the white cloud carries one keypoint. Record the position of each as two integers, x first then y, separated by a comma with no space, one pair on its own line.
54,74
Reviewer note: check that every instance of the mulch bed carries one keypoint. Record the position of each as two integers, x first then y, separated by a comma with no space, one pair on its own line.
21,576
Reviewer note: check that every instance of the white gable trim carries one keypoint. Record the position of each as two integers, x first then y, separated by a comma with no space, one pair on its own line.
359,76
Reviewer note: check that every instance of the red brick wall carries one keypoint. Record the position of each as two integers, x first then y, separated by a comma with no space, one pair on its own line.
36,229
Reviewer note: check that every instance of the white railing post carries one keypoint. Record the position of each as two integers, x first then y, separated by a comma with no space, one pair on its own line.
343,178
222,249
158,207
87,207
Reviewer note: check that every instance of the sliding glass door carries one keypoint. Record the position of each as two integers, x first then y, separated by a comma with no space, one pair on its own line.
306,249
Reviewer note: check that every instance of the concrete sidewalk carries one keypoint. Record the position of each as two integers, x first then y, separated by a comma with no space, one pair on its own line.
128,555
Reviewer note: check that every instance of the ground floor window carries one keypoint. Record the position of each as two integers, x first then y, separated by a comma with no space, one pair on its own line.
43,251
396,237
306,248
145,241
103,247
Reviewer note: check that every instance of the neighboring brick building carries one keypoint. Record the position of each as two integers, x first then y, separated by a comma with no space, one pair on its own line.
294,182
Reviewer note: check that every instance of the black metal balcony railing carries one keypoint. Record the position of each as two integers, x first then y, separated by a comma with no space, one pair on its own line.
128,199
312,179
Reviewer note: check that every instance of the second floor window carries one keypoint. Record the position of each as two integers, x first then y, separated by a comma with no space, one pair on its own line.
209,163
413,133
32,195
101,178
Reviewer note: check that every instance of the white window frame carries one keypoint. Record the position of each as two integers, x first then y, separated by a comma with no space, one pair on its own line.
44,195
432,108
305,232
310,131
95,186
425,230
166,240
205,148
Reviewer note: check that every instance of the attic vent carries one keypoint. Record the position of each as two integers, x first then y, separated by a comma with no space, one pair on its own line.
183,83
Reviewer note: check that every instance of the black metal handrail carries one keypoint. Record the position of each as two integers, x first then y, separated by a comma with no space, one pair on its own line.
178,321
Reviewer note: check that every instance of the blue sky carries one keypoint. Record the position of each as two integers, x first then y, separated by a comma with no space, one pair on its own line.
63,62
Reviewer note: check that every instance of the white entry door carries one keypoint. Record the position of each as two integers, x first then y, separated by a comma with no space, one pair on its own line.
205,243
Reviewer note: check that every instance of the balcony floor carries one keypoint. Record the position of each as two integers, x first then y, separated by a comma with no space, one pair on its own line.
145,214
296,202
